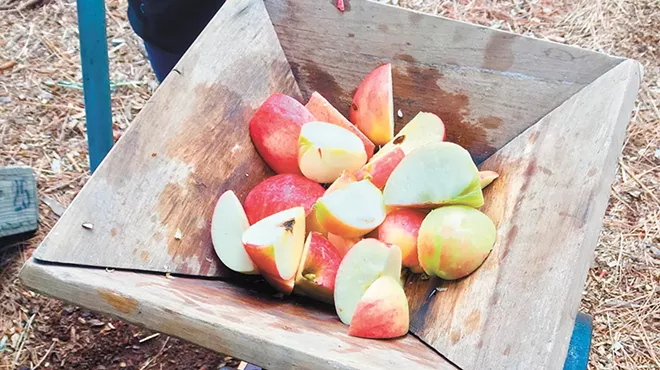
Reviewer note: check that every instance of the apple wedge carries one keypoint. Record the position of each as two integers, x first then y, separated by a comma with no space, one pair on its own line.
228,224
318,269
283,286
326,150
280,192
372,110
382,312
401,227
423,129
274,130
434,175
341,244
325,112
351,211
379,169
487,177
363,264
344,179
454,241
275,244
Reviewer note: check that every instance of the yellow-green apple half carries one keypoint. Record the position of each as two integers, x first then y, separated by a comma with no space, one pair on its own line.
372,110
341,244
434,175
275,128
351,211
423,129
344,179
401,227
318,269
228,224
325,112
379,169
382,312
454,241
275,244
487,177
367,261
326,150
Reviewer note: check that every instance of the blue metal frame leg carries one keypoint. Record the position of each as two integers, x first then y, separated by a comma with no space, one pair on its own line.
578,350
96,79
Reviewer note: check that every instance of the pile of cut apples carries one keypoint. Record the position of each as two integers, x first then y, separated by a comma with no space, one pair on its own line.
340,220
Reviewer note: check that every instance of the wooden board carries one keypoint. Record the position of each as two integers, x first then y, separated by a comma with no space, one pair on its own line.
19,206
269,332
189,144
486,85
517,311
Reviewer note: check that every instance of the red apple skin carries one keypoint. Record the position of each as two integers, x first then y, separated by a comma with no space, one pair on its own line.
487,177
401,227
343,180
380,169
382,312
264,258
371,110
341,244
279,193
275,128
317,278
325,112
281,285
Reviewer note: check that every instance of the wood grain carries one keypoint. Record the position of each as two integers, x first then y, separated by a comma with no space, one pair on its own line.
270,332
517,311
188,145
19,205
486,85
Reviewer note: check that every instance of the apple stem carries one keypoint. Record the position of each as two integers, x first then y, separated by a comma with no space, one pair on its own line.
340,5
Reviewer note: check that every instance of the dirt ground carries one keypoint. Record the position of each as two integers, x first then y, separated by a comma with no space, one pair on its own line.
42,124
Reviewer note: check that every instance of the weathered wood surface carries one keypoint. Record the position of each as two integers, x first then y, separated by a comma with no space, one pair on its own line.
486,85
269,332
19,205
189,144
517,311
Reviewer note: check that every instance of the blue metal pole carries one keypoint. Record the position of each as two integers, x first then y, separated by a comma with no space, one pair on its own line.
96,79
578,351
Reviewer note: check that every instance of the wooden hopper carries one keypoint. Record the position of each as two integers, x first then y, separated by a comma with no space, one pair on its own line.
549,118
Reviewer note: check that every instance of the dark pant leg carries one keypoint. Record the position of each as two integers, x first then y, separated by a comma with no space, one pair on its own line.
161,61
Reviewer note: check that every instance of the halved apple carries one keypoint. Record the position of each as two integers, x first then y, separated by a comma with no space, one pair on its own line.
344,179
228,224
275,243
434,175
454,241
401,227
326,150
280,192
487,177
382,312
363,264
341,244
379,169
372,110
325,112
351,211
423,129
274,130
318,269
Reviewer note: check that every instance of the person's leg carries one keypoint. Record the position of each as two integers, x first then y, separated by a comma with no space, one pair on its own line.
162,62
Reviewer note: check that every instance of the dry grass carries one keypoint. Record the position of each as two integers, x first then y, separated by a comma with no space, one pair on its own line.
42,125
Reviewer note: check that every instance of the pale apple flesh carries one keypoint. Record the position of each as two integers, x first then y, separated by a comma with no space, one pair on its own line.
275,243
487,177
344,179
325,112
454,241
327,150
372,110
434,175
379,169
363,264
424,128
351,211
401,227
318,269
382,312
341,244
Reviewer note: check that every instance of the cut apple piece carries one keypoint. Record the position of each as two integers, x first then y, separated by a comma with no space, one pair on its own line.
382,312
487,177
228,224
351,211
283,286
425,128
325,112
379,169
344,179
318,269
363,264
275,129
454,241
326,150
341,244
313,223
275,244
434,175
401,227
280,192
372,110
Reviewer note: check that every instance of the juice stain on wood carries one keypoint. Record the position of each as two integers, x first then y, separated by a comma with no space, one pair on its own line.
122,304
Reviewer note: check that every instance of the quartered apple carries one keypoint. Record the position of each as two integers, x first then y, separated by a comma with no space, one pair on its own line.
424,128
382,312
379,169
372,110
341,244
401,227
487,177
344,179
318,269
